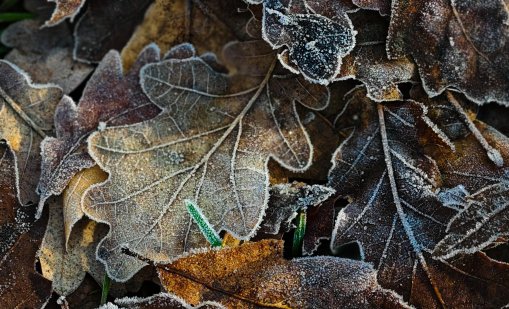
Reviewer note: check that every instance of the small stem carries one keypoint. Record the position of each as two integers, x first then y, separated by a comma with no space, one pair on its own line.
105,289
298,236
203,224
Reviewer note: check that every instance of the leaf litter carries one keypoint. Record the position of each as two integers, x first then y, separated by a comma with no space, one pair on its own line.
131,132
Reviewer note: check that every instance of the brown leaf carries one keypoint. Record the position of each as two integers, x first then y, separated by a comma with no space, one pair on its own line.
106,25
456,44
310,31
208,25
26,116
158,301
368,61
382,6
65,9
109,99
396,214
211,144
255,275
286,200
20,237
45,53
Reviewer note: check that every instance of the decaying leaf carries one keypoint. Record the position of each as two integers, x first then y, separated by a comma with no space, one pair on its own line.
456,44
26,116
66,264
208,25
368,61
20,285
109,99
483,216
255,275
382,6
64,9
211,145
396,214
106,25
317,35
44,53
158,301
286,200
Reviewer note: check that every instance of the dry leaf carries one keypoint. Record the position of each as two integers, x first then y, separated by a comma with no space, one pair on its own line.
158,301
26,116
317,36
45,53
20,237
109,99
106,25
382,6
208,25
65,9
255,275
286,200
396,214
456,44
211,144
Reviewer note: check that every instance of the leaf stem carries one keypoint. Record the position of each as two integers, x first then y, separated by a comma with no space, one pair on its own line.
298,236
105,289
203,224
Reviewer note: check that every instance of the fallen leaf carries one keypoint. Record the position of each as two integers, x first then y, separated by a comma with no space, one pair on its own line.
382,6
158,301
211,145
106,25
26,117
109,99
45,53
20,285
286,200
65,9
396,215
208,25
315,36
255,275
368,61
456,44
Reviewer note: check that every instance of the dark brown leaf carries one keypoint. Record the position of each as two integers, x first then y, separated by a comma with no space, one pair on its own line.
158,301
461,45
20,236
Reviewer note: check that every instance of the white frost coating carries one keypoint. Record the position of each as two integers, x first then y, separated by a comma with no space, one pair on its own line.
70,17
167,299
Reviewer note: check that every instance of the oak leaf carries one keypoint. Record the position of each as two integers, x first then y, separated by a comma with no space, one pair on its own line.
109,99
211,144
461,45
44,53
255,275
396,215
26,117
20,237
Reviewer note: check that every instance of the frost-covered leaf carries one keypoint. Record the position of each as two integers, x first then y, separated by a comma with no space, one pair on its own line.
106,25
462,45
316,34
158,301
109,99
26,116
368,61
211,144
484,215
382,6
286,200
395,213
208,25
65,264
255,275
65,9
44,53
20,236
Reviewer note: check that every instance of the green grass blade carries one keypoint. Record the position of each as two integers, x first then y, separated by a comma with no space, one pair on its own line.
105,289
12,17
203,224
298,235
